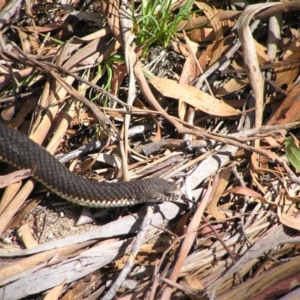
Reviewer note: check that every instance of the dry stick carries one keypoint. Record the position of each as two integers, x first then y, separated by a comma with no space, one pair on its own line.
182,288
155,281
274,36
275,87
234,15
281,7
231,141
131,260
272,65
237,136
251,61
189,240
130,58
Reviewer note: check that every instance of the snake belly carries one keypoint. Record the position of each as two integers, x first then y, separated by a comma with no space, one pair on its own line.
18,150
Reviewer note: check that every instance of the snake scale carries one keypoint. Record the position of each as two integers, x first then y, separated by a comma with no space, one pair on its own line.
18,150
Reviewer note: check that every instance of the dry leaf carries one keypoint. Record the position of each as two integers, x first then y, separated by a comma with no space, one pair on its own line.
242,190
216,24
289,110
288,220
190,69
234,84
194,97
14,177
296,141
28,240
286,75
55,292
222,184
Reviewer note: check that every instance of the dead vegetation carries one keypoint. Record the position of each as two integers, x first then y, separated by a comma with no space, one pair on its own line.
216,111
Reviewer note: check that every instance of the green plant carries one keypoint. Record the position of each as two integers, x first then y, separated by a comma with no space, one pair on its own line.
158,21
105,72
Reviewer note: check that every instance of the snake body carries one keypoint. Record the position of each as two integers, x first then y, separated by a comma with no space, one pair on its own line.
18,150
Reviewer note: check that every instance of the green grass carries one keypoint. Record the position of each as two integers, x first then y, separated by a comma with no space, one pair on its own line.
157,22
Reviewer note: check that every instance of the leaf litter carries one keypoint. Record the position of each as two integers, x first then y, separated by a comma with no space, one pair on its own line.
74,81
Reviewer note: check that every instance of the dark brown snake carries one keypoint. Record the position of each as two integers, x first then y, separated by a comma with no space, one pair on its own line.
18,150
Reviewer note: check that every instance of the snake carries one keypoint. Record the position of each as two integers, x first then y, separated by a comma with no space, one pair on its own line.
21,152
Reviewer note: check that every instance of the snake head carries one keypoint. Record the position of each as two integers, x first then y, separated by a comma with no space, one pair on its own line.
162,190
